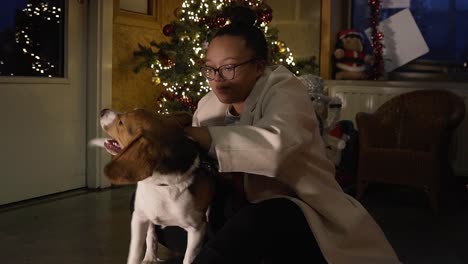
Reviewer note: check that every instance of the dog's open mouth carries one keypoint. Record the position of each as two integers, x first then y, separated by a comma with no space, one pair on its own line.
112,146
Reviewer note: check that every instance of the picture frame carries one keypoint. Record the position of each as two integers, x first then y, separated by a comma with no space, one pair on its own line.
145,13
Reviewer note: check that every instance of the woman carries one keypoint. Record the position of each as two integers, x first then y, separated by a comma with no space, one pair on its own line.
258,123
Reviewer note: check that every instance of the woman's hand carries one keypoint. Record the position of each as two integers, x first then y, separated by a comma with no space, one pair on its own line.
200,135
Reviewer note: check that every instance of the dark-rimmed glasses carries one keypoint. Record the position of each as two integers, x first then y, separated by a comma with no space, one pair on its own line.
226,72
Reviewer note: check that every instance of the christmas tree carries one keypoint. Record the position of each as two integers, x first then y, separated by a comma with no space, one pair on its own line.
176,62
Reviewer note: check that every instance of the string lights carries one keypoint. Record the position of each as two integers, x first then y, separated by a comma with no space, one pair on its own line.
25,31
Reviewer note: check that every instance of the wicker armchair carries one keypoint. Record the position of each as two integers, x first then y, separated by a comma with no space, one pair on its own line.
406,142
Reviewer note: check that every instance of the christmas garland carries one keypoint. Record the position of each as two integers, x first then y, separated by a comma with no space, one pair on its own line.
377,67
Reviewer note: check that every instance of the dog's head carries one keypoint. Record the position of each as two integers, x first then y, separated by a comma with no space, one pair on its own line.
144,141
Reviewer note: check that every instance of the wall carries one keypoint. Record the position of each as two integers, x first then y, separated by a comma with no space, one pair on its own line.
298,22
129,89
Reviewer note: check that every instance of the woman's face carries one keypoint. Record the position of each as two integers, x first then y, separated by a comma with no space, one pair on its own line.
231,50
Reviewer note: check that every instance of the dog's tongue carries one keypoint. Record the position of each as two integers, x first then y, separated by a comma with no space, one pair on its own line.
112,146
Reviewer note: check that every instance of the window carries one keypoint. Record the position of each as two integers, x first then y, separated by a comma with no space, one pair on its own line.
32,38
443,26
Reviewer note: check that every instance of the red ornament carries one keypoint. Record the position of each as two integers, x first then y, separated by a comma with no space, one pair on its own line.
266,18
169,30
220,22
202,21
211,22
264,13
164,59
162,56
165,95
168,63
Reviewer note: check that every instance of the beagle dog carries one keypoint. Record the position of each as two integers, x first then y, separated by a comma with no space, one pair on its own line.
173,189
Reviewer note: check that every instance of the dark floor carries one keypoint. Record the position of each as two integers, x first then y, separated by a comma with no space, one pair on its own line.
417,233
93,227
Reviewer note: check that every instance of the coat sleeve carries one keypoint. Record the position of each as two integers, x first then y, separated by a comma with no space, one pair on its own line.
284,124
210,112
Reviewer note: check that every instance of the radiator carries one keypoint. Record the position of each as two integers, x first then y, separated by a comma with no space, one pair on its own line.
367,96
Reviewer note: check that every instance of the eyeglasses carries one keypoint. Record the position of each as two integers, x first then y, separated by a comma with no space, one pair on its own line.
226,72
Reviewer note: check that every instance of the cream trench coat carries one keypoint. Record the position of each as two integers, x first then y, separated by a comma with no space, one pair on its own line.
278,145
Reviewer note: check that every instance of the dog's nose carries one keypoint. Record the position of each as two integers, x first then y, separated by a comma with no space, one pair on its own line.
104,111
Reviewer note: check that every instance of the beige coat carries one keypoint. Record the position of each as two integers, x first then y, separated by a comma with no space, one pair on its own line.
278,145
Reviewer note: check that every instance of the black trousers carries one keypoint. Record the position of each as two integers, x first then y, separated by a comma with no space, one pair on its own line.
272,231
269,232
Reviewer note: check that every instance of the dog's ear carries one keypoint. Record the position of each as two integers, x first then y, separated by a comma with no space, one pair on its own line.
183,119
133,164
177,155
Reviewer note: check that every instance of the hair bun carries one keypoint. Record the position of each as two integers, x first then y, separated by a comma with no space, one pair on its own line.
242,15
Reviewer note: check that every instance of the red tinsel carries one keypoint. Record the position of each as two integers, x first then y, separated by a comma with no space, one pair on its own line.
377,68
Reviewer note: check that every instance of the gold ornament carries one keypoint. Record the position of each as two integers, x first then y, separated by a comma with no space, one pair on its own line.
281,47
156,80
178,13
184,38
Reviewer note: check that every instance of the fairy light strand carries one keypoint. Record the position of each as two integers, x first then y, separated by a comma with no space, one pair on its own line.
50,14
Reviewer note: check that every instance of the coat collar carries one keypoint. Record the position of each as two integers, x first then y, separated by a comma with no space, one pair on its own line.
259,87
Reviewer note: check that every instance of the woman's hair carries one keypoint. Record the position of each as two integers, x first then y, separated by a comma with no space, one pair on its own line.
243,25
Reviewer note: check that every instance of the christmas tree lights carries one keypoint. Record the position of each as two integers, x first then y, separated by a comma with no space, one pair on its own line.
176,62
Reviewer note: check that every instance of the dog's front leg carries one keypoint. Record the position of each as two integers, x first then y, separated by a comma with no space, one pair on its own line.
151,246
194,242
139,228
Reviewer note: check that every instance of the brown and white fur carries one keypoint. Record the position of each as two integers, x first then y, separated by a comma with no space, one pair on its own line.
151,150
